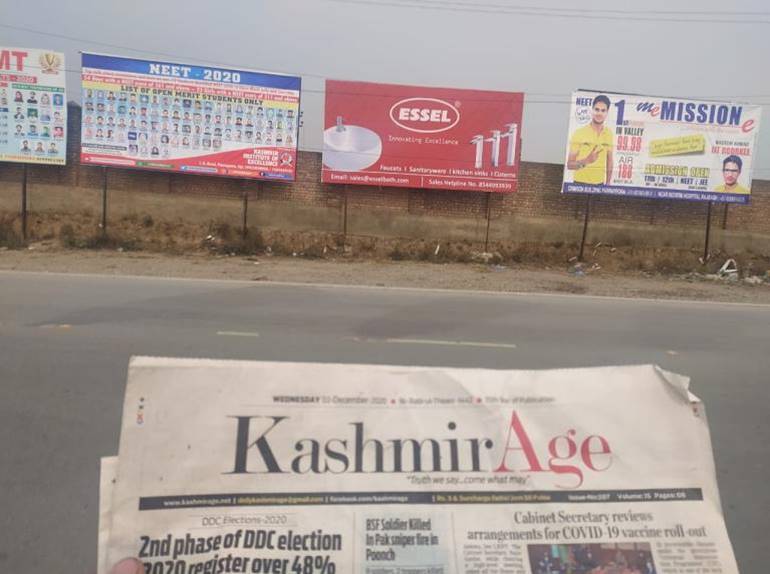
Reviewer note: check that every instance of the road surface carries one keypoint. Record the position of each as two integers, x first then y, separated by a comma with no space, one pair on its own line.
65,341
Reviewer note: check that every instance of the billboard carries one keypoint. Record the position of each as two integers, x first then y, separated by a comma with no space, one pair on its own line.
33,106
660,148
431,138
191,119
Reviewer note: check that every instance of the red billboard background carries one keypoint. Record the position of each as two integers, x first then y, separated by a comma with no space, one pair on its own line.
432,138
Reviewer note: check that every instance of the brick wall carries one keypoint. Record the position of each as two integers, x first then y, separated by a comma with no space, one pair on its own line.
538,196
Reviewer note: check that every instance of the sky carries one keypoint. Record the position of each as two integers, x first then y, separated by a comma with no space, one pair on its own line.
707,49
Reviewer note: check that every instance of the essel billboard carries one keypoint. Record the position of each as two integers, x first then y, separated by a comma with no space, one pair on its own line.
192,119
432,138
660,148
33,106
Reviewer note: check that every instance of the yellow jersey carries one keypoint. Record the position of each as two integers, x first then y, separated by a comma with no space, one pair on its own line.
582,142
735,189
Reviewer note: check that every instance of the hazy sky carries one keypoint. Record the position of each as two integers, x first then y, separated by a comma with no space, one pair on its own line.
545,50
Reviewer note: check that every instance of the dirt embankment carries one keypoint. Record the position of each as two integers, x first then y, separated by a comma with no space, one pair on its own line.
140,246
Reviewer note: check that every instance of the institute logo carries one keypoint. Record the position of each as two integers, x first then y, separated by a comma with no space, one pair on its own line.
424,115
583,114
50,63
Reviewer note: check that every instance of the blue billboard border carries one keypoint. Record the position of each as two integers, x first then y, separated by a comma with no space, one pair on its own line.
140,66
653,193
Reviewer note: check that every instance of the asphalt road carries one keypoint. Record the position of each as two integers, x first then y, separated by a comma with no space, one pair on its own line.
65,341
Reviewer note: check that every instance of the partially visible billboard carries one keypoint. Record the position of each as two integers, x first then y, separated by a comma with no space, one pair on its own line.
660,148
191,119
33,106
431,138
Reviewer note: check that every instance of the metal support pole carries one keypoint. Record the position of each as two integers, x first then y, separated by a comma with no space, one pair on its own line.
489,217
345,215
24,204
104,201
245,228
585,228
724,217
708,233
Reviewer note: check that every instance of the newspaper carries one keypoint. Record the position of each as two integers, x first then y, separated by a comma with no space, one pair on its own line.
300,468
107,474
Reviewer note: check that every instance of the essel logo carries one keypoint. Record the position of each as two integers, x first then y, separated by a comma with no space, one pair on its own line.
424,115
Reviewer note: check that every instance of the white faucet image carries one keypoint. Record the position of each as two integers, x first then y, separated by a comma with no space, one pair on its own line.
511,134
495,139
478,140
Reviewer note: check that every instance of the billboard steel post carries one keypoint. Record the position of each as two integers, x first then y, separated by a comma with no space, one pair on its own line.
345,215
24,203
489,217
708,234
585,228
103,224
245,228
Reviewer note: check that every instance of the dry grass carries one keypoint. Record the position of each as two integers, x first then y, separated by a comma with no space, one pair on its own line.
10,234
619,250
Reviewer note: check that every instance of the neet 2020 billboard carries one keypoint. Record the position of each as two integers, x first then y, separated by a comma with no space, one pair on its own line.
192,119
660,148
435,138
33,106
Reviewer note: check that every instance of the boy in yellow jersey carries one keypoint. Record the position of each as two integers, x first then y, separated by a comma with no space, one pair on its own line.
590,147
731,171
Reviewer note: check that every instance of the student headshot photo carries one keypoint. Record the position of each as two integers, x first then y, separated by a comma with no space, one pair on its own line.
32,99
39,148
58,132
731,172
52,149
25,147
590,147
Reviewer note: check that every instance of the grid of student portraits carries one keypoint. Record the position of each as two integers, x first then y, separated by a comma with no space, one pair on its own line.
33,110
181,122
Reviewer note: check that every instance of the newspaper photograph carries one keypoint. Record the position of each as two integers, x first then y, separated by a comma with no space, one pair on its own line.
303,468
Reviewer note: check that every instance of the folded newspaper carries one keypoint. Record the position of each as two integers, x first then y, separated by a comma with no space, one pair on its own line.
302,468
